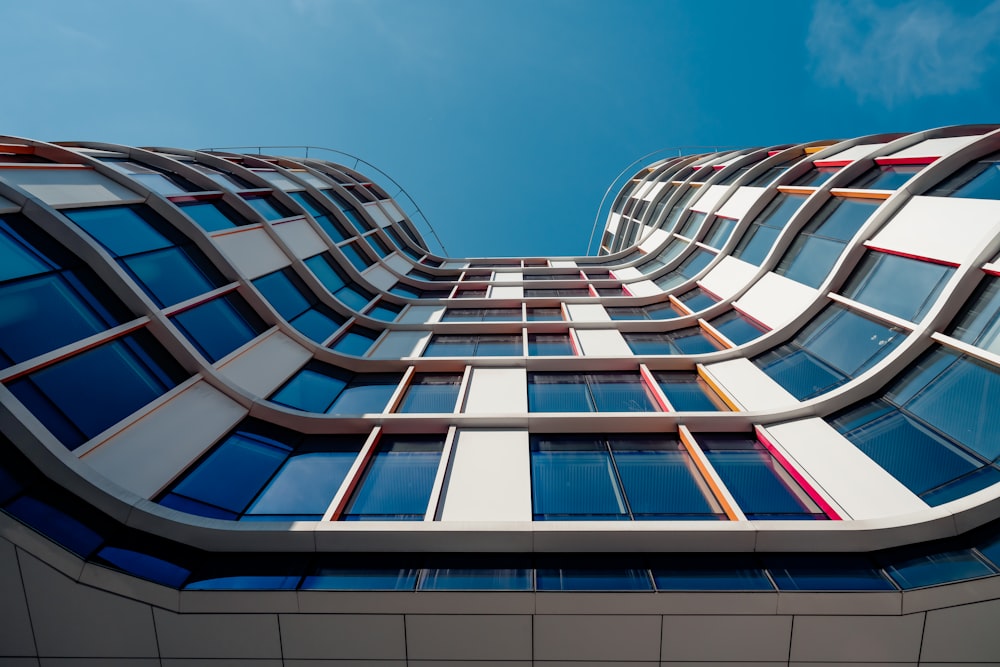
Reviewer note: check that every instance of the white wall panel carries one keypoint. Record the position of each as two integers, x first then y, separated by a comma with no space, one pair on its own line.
251,251
563,263
934,147
68,186
400,344
856,483
262,368
709,198
749,385
654,191
775,300
490,477
949,229
740,202
421,314
379,277
279,181
144,457
587,312
851,154
653,241
507,292
508,277
392,210
301,238
380,218
603,343
629,272
399,263
644,288
497,391
613,221
728,277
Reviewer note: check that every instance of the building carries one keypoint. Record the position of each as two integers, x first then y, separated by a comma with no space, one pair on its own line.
248,417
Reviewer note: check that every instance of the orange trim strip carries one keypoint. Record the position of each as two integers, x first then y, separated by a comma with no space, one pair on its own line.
654,388
831,163
715,333
17,149
699,463
703,374
679,305
795,190
810,150
860,194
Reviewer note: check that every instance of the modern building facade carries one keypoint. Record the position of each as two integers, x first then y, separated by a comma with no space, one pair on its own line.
249,416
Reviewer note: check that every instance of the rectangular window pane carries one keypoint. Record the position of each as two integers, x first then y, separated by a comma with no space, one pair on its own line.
431,392
219,326
398,481
574,479
897,285
558,392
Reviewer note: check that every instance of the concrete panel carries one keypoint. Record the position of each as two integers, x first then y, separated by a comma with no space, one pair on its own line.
934,147
490,478
628,273
728,277
653,241
95,662
251,251
508,277
562,263
399,263
760,638
68,186
301,238
468,637
856,638
749,385
71,620
855,482
644,288
507,292
740,202
587,312
33,662
421,314
942,228
622,638
497,391
379,277
603,343
963,634
400,344
277,180
613,221
852,153
392,210
380,218
262,368
776,300
144,457
343,636
709,198
354,663
217,635
15,630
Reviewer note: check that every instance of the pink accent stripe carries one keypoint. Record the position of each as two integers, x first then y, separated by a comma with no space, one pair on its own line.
797,476
772,153
708,291
650,381
593,292
992,272
611,274
751,318
909,255
887,161
626,290
831,163
720,166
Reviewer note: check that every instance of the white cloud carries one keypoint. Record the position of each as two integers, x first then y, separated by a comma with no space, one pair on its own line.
896,53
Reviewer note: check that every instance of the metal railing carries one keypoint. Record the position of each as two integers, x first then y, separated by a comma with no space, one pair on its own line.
414,211
617,184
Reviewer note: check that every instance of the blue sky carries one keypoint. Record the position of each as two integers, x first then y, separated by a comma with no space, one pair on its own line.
506,121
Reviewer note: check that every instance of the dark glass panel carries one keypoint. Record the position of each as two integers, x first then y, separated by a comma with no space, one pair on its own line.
545,315
397,483
213,216
123,230
979,180
574,478
660,479
356,341
841,572
620,392
687,392
897,285
709,572
431,392
450,346
558,392
549,345
917,567
219,326
268,207
979,321
366,393
385,311
697,299
737,327
313,388
888,177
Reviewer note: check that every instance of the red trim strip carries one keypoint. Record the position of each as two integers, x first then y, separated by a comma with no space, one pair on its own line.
772,153
831,163
992,272
826,507
888,161
652,387
626,290
909,255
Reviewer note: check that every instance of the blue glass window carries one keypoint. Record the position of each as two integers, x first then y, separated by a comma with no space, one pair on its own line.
842,572
48,297
431,392
574,478
81,396
897,285
268,207
592,574
761,487
398,481
917,567
355,256
816,249
337,282
365,572
545,315
213,216
355,341
680,341
588,392
677,209
737,327
219,326
979,322
697,299
709,572
815,177
168,267
542,345
758,239
688,269
482,315
385,311
329,224
687,392
380,247
979,180
691,225
719,232
288,295
835,347
366,393
359,223
320,388
472,572
887,177
484,345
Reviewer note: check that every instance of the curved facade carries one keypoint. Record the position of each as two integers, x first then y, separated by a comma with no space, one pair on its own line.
248,415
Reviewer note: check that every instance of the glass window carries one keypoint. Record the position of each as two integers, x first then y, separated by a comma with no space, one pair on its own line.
213,216
688,269
758,239
897,285
482,315
288,295
709,572
268,207
431,392
761,487
680,341
219,326
313,388
545,315
737,327
979,321
484,345
366,393
550,345
816,249
588,392
385,311
473,572
567,292
692,224
355,341
355,256
815,177
837,346
887,177
352,215
917,567
605,573
687,392
979,180
361,572
337,282
719,232
697,299
810,572
397,483
81,396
